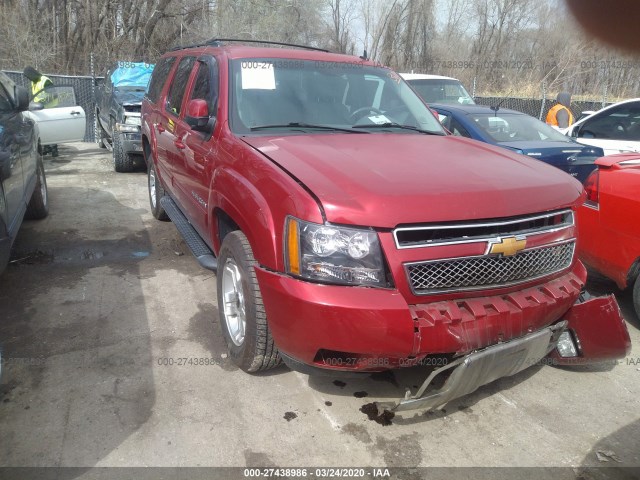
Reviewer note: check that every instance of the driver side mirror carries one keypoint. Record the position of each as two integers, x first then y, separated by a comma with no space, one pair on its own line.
22,98
197,116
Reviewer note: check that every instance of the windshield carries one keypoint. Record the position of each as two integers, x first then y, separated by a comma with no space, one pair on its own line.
441,91
289,96
517,128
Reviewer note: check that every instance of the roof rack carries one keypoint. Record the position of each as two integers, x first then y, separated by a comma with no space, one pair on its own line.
218,42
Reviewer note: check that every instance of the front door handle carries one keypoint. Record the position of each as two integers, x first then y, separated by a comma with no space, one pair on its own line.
160,128
75,113
179,145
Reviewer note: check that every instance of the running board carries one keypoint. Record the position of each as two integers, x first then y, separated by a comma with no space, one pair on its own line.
200,250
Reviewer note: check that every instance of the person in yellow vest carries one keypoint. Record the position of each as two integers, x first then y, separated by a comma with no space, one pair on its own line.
38,84
560,114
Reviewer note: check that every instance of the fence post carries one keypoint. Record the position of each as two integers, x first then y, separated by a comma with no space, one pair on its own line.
604,95
93,99
473,88
544,99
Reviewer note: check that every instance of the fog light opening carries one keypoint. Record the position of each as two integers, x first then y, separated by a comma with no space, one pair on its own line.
566,346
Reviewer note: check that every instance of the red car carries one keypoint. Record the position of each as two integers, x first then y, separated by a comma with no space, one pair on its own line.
350,232
609,222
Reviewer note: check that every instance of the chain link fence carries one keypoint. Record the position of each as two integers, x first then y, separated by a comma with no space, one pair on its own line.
537,107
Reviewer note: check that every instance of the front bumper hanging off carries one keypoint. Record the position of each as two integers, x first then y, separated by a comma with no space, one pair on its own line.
595,326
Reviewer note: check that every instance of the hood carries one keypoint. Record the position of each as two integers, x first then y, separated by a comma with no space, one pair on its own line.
129,96
564,98
383,180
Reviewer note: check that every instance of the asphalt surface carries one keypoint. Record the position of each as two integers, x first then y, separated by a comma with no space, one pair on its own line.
113,356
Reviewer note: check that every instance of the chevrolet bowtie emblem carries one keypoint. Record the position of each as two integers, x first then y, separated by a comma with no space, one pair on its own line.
507,246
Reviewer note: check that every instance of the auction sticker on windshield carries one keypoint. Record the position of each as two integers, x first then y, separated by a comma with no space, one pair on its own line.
258,76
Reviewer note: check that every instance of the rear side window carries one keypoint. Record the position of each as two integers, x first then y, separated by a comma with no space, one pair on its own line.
179,85
159,76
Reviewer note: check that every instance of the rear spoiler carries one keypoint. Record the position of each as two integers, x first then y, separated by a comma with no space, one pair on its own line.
619,160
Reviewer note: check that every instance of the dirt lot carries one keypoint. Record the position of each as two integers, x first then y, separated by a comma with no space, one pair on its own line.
103,313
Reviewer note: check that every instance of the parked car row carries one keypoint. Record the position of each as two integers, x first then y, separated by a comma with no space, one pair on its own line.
351,232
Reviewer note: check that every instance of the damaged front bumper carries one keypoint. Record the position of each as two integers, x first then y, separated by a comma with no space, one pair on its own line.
595,328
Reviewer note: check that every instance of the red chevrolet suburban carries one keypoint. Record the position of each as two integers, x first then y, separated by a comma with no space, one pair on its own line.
350,232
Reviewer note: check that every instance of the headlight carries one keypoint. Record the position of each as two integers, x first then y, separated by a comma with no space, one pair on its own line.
127,128
325,253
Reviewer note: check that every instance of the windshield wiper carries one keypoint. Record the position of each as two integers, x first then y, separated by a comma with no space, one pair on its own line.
305,125
397,125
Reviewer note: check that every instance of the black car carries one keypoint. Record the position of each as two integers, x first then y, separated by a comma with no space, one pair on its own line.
118,101
23,187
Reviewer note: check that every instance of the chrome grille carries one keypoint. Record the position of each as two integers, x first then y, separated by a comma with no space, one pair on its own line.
470,273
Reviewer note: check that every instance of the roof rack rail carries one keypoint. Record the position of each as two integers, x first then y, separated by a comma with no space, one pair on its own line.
218,42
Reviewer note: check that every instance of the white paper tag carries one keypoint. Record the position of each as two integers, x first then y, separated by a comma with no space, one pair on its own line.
379,119
258,76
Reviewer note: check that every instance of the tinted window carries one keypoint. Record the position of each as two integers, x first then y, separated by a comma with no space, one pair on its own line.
206,86
179,85
159,76
621,123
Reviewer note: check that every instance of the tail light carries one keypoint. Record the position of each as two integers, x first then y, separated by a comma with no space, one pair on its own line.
591,187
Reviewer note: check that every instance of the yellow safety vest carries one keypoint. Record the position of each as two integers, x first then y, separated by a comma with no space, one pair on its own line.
37,89
552,118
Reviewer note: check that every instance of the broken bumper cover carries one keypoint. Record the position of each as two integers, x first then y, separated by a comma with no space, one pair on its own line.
597,329
479,368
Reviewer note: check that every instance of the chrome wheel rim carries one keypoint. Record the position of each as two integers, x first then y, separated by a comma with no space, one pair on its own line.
152,187
234,306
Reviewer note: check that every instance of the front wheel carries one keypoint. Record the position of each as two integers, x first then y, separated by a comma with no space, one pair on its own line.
122,161
38,206
156,192
636,296
242,316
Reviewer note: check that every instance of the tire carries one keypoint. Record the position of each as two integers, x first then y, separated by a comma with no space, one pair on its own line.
156,192
636,296
38,206
122,162
241,311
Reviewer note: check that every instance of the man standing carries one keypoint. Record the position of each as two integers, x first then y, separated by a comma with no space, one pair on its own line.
38,84
560,114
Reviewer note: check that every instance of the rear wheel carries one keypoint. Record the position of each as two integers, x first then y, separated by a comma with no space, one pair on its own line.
122,161
242,316
39,203
156,192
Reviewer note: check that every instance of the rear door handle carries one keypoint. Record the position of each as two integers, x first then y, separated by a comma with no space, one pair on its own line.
75,113
179,144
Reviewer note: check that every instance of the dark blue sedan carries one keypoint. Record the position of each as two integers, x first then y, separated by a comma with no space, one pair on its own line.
522,133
